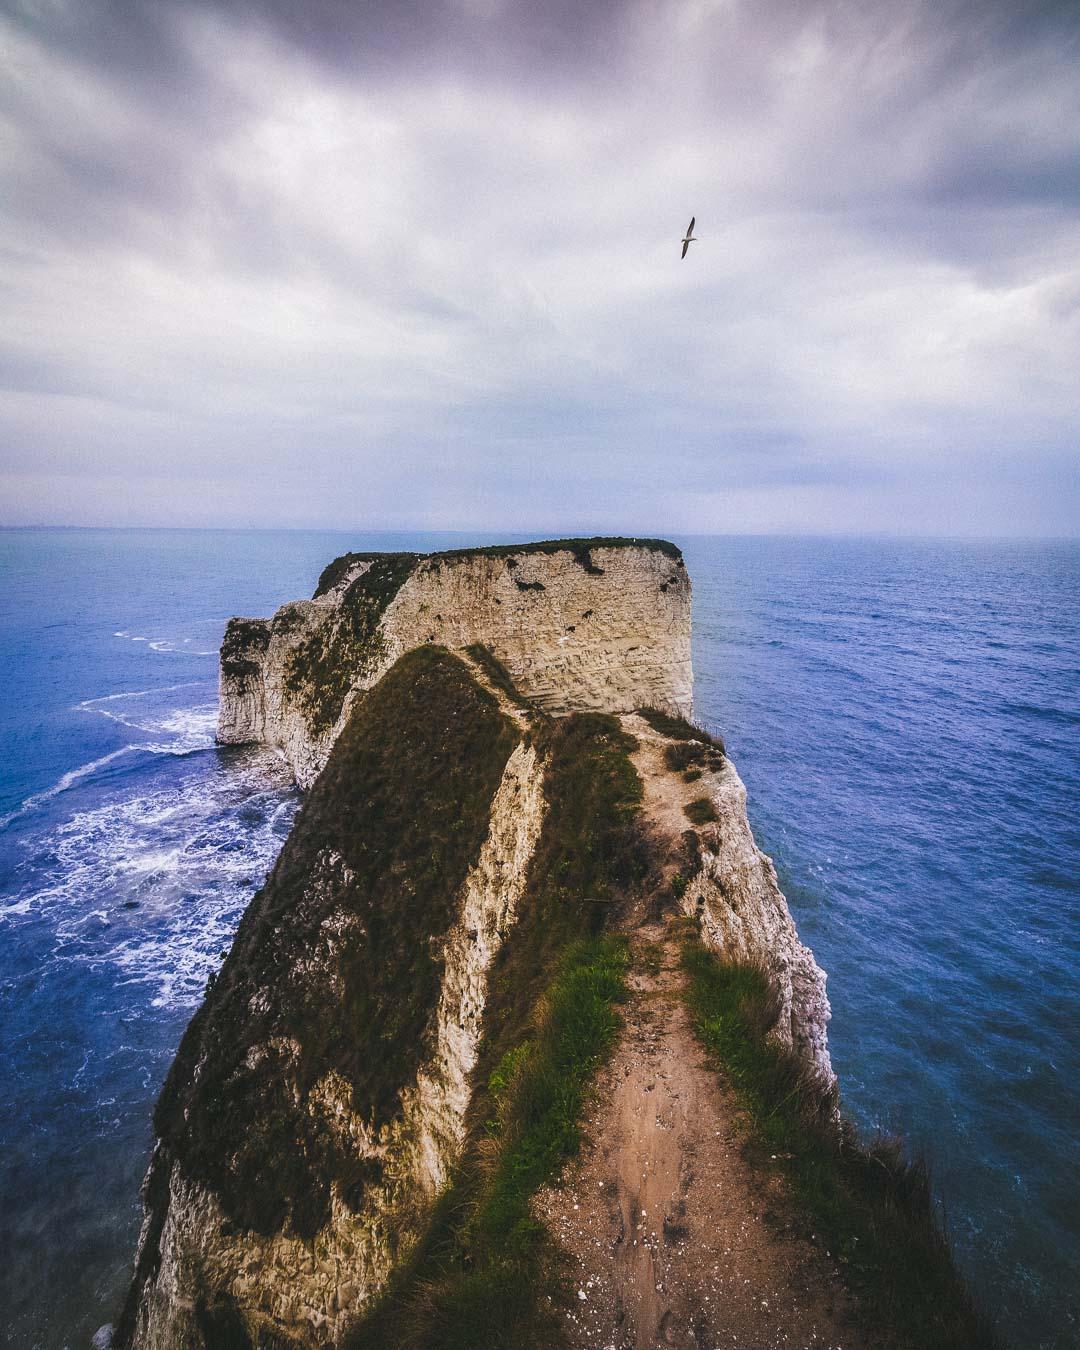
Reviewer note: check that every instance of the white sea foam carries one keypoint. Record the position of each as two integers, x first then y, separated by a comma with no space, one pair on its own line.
171,646
65,781
153,884
176,731
183,729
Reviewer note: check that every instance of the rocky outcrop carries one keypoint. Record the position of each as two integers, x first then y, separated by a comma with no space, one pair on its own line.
742,913
579,625
696,803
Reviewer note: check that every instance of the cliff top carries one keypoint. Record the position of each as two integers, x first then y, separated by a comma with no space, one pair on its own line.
580,548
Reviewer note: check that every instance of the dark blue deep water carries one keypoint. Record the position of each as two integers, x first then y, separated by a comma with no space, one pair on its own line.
906,718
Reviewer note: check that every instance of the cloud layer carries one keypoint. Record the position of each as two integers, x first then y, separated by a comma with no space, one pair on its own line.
328,264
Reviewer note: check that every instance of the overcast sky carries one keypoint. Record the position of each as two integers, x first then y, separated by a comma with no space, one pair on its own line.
318,262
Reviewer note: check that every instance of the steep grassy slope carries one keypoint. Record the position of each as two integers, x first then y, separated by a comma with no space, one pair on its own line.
336,968
486,1275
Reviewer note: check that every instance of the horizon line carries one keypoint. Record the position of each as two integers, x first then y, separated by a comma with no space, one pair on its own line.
541,533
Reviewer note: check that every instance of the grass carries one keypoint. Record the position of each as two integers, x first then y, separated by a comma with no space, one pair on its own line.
870,1206
486,1275
334,573
589,853
347,645
700,811
580,548
497,674
243,634
679,729
314,981
242,638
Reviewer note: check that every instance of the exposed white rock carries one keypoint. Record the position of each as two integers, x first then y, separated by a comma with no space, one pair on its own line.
612,636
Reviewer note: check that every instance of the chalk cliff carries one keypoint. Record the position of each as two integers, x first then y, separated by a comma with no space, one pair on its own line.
318,1097
445,713
720,877
601,624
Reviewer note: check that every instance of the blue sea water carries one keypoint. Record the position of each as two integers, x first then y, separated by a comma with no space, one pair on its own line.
905,715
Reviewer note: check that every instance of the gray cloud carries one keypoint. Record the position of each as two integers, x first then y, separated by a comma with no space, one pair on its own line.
417,263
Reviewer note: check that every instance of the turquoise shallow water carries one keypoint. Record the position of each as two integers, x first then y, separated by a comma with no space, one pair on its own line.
905,716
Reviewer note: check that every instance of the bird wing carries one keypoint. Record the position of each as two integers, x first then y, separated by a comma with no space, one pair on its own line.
690,231
685,246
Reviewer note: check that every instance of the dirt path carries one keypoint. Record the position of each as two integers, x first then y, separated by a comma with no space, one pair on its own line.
664,1223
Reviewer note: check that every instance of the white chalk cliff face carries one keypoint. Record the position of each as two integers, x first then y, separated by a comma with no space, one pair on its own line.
308,1123
604,628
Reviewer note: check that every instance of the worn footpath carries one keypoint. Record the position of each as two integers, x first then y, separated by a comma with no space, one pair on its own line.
672,1238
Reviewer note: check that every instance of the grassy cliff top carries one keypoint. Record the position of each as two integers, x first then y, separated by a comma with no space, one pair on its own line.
580,548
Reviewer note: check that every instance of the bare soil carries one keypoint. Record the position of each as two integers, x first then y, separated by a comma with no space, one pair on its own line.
673,1239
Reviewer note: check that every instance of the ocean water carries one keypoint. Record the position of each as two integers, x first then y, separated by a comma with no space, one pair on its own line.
905,716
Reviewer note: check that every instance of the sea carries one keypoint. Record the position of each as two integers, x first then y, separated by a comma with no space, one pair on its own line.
905,714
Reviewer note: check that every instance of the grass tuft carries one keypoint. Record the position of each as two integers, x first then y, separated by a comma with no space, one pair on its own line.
700,811
679,729
870,1205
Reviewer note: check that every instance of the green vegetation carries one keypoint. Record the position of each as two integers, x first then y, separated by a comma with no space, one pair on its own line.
497,673
682,756
334,573
347,645
679,729
870,1207
336,965
590,852
580,548
691,752
700,811
485,1274
241,635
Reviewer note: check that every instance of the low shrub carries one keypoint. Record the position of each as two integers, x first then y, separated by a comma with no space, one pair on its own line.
679,729
700,811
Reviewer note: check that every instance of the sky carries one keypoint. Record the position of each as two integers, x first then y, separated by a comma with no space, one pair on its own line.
402,265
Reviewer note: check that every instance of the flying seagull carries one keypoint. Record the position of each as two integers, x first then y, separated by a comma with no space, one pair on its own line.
689,236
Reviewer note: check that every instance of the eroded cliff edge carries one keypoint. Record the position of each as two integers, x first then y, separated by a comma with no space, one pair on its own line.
459,839
592,624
